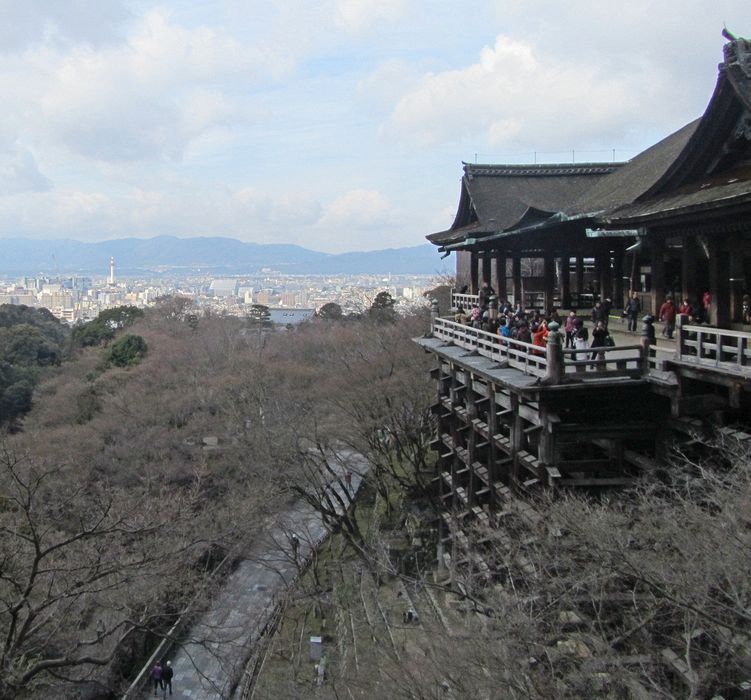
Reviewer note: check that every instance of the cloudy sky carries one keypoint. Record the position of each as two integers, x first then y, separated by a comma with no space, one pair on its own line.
334,124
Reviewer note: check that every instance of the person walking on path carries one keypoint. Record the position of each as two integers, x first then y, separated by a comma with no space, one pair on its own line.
667,316
156,676
597,314
633,309
167,674
295,540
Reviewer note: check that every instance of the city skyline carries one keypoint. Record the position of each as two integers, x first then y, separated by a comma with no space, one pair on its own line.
338,126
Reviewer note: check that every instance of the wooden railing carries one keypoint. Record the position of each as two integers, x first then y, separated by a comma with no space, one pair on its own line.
526,357
532,300
592,363
464,300
617,361
714,348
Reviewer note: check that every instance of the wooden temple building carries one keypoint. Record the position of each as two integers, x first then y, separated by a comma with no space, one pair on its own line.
676,219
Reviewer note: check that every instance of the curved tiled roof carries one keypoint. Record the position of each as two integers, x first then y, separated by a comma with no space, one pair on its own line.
635,177
495,197
701,166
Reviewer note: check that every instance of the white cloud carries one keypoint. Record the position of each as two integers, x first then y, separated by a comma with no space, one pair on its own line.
19,172
33,21
356,209
146,98
517,95
358,15
260,120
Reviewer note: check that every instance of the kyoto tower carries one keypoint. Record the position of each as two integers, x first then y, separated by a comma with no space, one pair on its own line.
112,270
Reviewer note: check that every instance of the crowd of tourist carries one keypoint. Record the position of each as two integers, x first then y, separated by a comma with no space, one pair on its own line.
532,326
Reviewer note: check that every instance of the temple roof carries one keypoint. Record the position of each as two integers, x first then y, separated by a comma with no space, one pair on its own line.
704,166
636,177
494,197
713,170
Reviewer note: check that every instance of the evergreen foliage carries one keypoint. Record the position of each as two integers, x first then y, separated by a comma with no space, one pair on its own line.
29,339
382,308
332,310
259,315
102,328
127,351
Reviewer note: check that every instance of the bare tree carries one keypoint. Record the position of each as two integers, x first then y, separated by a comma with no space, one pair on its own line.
82,567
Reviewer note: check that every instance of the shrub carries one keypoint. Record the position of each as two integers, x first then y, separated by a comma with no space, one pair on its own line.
127,351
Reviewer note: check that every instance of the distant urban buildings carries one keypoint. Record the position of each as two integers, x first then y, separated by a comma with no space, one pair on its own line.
290,298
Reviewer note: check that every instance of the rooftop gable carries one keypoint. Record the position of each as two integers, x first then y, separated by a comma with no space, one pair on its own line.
722,138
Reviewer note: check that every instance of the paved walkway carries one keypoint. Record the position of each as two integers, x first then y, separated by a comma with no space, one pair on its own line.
211,663
619,330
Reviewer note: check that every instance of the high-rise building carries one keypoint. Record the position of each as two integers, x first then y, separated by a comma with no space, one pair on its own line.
112,271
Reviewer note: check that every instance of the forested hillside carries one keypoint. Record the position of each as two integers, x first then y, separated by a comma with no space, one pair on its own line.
30,339
125,485
137,472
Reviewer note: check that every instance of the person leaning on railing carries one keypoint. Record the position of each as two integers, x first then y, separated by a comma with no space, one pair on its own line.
504,329
599,340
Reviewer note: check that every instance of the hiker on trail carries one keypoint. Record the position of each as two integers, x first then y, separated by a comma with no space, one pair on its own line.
167,674
295,540
156,676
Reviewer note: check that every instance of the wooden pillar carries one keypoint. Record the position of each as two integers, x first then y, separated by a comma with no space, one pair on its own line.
736,285
657,253
516,279
548,275
473,284
606,276
618,299
500,273
565,282
492,421
471,406
486,272
599,264
635,284
579,274
689,255
719,284
517,437
546,449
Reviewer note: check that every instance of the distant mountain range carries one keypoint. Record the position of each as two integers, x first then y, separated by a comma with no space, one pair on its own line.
214,255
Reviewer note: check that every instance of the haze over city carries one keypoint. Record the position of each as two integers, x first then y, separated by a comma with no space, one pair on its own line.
337,125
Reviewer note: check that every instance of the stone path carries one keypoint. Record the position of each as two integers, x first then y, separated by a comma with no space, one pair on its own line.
211,663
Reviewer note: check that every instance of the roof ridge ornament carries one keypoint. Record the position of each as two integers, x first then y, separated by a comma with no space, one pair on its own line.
526,170
737,51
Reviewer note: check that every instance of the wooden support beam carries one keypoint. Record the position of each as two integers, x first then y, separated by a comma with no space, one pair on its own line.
516,279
